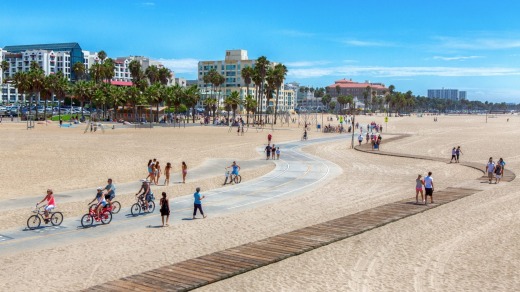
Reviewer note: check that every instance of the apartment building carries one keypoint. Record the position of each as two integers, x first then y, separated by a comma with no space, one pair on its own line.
356,89
231,68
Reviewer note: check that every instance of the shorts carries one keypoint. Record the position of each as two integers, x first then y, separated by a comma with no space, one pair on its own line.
49,208
103,204
453,157
429,192
234,173
498,175
110,197
418,189
490,175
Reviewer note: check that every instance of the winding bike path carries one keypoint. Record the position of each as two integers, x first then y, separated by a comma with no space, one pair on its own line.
296,171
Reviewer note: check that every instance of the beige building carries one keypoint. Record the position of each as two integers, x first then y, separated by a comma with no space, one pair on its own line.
231,68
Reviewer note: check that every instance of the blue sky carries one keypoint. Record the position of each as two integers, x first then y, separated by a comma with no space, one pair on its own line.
414,45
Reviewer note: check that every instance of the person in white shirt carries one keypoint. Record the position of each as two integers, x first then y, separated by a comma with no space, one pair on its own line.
428,188
490,169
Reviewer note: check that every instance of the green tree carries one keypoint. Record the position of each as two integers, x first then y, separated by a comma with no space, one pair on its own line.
5,69
79,70
134,97
326,99
36,81
83,91
250,105
280,73
261,66
234,101
190,97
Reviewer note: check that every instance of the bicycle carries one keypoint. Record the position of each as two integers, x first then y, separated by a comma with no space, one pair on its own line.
142,205
232,178
105,216
35,221
116,206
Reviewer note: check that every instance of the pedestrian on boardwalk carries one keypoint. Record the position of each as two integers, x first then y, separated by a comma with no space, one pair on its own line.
360,139
167,171
490,169
419,183
458,152
165,209
267,150
453,155
277,153
269,137
184,172
197,204
499,171
273,152
428,187
503,163
367,137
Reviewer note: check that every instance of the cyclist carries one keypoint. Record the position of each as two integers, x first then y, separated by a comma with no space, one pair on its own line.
110,191
234,172
146,195
51,204
101,202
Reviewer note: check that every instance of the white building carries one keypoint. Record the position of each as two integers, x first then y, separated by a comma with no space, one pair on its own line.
231,68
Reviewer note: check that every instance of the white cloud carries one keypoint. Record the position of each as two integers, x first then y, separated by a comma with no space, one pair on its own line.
181,65
479,43
359,43
148,4
456,58
378,71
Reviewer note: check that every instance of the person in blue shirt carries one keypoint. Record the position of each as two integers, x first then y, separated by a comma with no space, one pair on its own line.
197,204
110,191
234,169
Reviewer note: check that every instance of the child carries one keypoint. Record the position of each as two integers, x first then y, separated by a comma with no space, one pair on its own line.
277,153
165,209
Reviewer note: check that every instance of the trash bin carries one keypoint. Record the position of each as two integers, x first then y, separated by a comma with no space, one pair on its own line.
319,126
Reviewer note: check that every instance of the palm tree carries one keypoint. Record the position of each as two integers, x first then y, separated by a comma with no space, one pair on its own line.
152,95
79,70
164,75
271,81
280,73
191,97
211,103
60,88
134,97
96,72
326,99
5,69
82,91
247,75
135,71
257,80
21,82
102,55
118,97
234,101
261,66
108,70
152,73
250,105
46,92
36,80
366,94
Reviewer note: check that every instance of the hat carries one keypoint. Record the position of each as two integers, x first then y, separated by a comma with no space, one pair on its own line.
99,188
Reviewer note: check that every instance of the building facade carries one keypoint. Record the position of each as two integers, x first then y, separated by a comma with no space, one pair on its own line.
357,89
452,94
231,68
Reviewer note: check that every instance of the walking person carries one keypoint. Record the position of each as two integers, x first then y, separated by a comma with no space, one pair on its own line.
165,209
158,172
197,204
267,150
273,152
428,187
490,169
458,152
360,139
419,183
277,153
184,172
499,171
269,137
453,155
167,171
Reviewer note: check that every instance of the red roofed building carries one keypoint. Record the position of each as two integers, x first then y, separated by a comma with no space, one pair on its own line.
357,90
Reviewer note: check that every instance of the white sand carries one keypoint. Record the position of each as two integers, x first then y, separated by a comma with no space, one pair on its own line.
470,244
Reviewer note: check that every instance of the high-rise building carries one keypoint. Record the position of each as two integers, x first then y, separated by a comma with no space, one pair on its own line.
462,95
231,68
452,94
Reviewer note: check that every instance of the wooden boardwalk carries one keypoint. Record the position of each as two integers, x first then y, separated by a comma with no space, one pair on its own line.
207,269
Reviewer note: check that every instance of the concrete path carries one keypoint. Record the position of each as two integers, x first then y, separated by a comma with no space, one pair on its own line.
296,171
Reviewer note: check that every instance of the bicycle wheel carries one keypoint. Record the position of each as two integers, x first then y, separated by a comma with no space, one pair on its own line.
116,207
136,209
87,220
237,178
56,218
34,222
151,206
106,217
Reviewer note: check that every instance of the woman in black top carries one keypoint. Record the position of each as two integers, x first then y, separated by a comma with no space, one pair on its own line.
165,209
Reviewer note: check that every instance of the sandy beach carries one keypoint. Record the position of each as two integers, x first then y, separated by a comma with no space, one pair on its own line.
470,244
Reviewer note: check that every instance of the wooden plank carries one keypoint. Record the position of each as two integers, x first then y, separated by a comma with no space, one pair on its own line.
190,273
181,276
227,255
167,279
160,283
196,267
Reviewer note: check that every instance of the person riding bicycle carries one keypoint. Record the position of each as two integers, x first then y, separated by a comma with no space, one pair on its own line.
234,170
101,202
110,191
51,204
146,195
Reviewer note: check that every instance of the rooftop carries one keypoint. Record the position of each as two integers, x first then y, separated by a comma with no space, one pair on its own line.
54,47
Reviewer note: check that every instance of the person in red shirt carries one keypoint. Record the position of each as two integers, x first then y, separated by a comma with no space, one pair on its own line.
51,204
269,137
